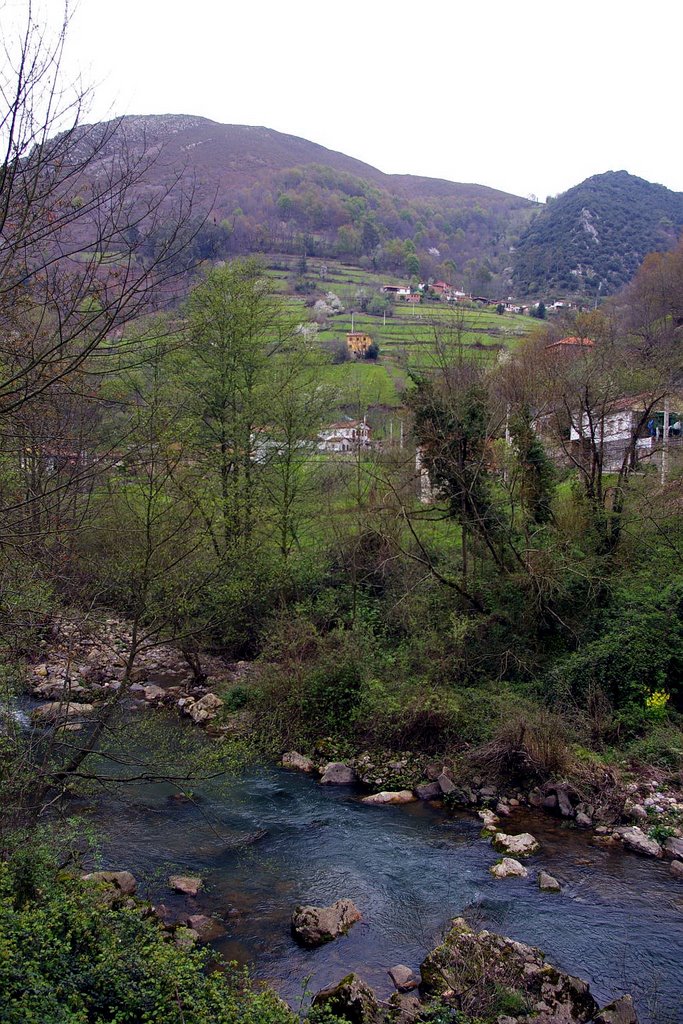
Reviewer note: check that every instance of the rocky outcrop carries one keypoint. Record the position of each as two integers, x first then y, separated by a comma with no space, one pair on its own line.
338,774
635,839
205,709
403,796
87,662
314,926
621,1011
522,845
469,970
352,1000
547,883
508,868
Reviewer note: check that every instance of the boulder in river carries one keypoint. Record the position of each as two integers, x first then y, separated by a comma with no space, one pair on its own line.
188,885
123,880
293,759
314,926
676,869
508,868
401,796
470,969
522,845
352,1000
547,883
338,774
58,711
403,978
207,928
489,818
635,839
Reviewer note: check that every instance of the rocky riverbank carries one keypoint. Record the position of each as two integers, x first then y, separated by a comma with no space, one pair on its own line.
646,817
85,665
477,975
481,975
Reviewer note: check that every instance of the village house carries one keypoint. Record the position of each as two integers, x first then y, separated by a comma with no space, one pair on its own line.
624,420
358,344
345,436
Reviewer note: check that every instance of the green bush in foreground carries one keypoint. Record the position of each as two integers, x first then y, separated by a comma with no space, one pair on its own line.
67,956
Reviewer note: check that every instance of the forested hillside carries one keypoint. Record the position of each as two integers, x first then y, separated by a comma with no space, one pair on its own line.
591,239
263,191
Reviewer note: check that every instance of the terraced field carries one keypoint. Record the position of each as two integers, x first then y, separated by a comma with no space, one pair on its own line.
407,338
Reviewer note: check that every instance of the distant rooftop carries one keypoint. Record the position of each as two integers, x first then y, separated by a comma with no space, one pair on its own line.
572,341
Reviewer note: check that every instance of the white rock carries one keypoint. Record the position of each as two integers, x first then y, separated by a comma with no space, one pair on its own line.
509,868
546,882
635,839
401,796
522,845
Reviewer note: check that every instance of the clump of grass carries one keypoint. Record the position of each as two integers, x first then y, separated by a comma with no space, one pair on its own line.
530,746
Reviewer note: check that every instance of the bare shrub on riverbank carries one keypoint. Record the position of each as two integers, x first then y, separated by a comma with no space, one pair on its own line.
526,746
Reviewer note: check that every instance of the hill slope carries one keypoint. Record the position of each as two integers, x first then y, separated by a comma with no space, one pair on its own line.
594,236
266,191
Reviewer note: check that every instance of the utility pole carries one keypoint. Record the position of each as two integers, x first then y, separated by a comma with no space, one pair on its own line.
665,442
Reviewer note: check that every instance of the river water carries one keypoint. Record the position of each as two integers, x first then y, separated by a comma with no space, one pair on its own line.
618,921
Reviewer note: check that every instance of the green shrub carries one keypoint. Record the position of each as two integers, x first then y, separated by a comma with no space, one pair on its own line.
661,747
69,954
639,649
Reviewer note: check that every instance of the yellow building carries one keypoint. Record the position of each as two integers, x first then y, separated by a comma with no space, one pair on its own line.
358,343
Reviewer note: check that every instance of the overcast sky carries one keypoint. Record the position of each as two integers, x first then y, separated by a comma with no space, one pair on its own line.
530,97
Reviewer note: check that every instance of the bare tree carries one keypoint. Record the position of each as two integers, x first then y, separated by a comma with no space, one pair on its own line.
73,214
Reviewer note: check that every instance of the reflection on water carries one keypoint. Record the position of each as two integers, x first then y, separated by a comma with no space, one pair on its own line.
409,869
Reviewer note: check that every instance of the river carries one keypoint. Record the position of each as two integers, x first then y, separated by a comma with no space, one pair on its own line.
618,921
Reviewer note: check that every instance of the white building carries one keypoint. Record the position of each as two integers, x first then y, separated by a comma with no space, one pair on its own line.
346,436
613,429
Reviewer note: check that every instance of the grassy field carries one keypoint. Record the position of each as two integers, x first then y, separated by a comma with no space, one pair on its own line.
407,338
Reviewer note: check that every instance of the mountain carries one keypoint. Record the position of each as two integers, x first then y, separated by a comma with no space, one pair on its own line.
266,191
592,238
